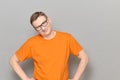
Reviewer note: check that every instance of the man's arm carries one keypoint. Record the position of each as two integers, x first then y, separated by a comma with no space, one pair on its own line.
82,65
14,62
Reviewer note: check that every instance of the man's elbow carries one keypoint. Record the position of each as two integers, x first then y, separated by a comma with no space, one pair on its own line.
83,57
13,60
84,60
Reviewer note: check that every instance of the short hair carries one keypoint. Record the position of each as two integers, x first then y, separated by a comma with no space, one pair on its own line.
36,15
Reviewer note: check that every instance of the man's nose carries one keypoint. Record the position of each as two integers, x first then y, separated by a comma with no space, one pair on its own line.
43,28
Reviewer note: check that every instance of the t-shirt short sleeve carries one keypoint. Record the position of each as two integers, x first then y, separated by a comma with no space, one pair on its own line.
74,46
24,52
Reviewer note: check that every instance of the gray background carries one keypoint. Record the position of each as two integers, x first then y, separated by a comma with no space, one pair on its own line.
94,23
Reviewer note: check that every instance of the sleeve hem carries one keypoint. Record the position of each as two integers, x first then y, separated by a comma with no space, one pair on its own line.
18,57
77,52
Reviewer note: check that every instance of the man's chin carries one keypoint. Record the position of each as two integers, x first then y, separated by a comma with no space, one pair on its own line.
45,34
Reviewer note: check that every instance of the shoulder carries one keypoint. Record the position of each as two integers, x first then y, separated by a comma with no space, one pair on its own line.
64,34
32,39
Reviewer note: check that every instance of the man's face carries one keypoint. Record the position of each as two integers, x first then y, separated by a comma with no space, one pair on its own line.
42,25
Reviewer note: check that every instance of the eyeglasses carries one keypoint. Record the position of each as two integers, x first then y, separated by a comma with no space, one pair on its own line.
43,25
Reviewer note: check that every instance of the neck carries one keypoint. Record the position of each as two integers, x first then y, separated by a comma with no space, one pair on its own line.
50,36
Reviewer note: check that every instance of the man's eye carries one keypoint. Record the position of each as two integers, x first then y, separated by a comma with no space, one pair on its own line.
38,28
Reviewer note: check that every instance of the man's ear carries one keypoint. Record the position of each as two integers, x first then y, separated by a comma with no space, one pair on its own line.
49,20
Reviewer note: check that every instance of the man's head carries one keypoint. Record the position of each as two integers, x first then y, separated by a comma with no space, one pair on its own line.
41,23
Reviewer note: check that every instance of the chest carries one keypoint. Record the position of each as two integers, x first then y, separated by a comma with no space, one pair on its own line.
46,52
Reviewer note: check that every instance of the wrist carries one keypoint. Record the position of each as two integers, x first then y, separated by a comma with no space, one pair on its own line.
75,78
26,78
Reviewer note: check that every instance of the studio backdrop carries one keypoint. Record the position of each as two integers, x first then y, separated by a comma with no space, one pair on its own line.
94,23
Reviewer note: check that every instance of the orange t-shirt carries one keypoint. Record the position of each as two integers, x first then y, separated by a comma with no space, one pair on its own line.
50,56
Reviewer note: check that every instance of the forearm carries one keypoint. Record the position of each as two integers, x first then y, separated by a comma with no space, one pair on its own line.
81,67
17,68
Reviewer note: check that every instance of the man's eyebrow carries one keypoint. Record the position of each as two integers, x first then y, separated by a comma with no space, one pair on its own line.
38,26
41,24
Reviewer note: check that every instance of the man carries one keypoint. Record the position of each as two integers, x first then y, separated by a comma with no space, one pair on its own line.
50,50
